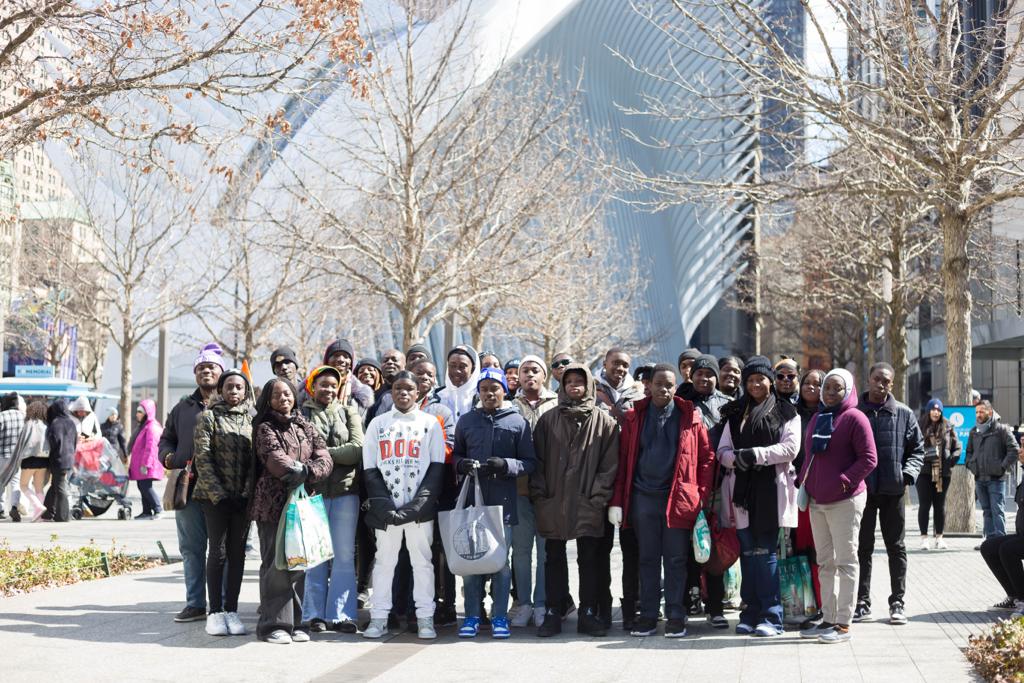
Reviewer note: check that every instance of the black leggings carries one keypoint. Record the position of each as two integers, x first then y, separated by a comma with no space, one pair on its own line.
928,497
150,502
227,526
1004,555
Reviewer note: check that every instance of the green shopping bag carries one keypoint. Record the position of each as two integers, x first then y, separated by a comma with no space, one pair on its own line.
701,539
795,586
303,538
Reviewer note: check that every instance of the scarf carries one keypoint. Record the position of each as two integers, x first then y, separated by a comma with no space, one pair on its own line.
986,426
823,426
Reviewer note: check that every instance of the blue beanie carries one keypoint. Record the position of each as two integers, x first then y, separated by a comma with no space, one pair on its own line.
493,374
934,403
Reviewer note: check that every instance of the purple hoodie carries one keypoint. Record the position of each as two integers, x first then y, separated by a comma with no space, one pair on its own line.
838,472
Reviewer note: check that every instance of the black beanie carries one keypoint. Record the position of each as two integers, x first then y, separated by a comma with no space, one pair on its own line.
419,348
512,364
757,365
474,362
372,362
282,355
343,345
705,361
688,354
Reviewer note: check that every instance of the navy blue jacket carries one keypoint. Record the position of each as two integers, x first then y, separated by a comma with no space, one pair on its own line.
505,434
899,443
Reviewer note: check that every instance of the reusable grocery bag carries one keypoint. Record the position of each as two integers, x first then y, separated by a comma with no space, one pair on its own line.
795,586
701,539
473,537
303,538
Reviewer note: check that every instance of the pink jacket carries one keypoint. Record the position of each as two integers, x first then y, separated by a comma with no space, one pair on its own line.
145,459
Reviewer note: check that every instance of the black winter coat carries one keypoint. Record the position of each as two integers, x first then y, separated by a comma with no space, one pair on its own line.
179,431
61,436
899,443
113,432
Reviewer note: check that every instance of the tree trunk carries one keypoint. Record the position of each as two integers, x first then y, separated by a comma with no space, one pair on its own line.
896,336
956,293
125,406
408,328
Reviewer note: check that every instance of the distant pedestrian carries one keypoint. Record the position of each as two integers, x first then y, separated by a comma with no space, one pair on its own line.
144,466
941,453
85,419
991,453
33,456
12,420
113,432
62,439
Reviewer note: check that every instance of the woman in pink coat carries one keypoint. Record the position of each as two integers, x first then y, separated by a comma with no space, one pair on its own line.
145,467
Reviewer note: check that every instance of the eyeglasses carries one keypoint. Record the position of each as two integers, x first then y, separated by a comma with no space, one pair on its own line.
560,363
784,376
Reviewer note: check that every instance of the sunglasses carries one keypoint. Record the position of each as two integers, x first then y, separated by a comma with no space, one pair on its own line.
784,376
560,363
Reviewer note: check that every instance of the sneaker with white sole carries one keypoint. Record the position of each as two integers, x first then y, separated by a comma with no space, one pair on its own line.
924,543
216,624
425,628
521,616
838,634
717,621
897,616
470,627
300,636
744,629
538,615
1019,611
767,630
940,543
500,629
234,624
816,631
862,613
279,637
378,628
1008,603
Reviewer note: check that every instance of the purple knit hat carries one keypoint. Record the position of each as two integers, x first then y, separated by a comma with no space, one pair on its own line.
211,353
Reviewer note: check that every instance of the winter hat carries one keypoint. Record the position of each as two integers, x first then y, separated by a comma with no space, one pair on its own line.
464,350
111,412
282,355
932,404
705,361
328,369
80,403
756,365
419,348
234,372
493,374
342,345
530,358
688,354
363,362
842,374
786,362
211,353
725,359
643,373
512,365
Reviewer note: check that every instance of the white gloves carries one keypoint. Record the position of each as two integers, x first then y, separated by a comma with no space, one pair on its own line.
615,515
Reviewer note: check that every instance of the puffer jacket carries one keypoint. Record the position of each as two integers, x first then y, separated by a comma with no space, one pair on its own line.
145,458
61,436
577,447
899,445
548,400
223,453
277,442
992,453
503,434
342,430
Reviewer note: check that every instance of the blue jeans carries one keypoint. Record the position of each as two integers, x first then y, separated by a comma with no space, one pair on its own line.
759,587
501,584
524,534
990,496
192,539
330,592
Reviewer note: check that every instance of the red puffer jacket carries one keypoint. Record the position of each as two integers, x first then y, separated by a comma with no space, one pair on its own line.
694,464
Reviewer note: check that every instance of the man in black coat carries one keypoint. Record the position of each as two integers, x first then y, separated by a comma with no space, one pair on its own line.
900,447
62,439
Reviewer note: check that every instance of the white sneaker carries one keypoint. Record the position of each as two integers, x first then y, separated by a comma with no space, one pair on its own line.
279,637
924,543
538,615
300,636
216,624
425,628
940,543
522,616
235,625
378,628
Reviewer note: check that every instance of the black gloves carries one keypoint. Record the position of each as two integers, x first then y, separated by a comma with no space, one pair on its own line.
908,480
496,466
745,459
401,516
298,474
466,465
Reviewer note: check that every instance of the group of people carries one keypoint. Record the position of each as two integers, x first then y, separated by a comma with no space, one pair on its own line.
777,456
38,443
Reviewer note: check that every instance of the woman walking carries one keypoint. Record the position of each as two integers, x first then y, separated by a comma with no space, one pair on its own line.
33,457
61,439
759,442
839,451
223,459
288,453
144,467
330,595
941,452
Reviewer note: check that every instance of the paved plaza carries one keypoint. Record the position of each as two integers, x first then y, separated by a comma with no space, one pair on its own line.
121,629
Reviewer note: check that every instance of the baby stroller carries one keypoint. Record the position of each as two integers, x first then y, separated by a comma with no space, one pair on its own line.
98,480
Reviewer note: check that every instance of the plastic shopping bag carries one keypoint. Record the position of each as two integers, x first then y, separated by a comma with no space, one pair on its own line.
303,534
701,539
473,537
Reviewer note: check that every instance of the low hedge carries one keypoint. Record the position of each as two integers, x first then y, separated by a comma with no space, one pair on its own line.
27,570
998,655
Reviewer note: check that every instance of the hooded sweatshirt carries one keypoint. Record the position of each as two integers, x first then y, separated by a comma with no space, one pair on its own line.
459,400
145,458
88,426
61,436
622,398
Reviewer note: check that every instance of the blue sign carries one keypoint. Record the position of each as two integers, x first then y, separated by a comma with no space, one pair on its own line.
33,371
963,419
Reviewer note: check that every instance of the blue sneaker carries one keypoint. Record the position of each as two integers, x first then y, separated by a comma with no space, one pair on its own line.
744,629
470,627
499,629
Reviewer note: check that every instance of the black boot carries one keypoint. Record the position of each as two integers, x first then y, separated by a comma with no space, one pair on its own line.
15,514
590,624
604,612
552,625
628,615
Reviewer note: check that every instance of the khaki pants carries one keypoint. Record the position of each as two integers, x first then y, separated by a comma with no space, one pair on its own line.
835,527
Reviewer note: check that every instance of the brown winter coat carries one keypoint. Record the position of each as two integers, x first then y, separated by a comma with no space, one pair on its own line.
577,448
277,442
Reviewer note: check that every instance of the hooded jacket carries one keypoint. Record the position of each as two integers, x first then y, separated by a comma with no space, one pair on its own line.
503,434
61,436
277,442
88,426
694,470
548,400
899,445
623,398
838,472
145,456
990,454
223,453
577,450
342,431
460,400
